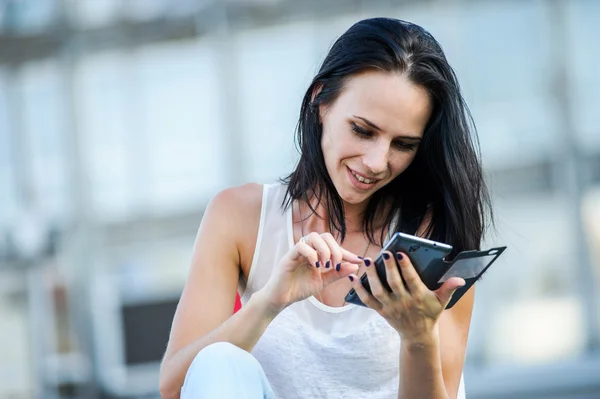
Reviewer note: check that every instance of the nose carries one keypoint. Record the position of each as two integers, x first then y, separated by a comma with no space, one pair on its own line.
376,158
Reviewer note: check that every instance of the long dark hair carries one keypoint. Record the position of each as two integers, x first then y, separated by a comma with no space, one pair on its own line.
445,180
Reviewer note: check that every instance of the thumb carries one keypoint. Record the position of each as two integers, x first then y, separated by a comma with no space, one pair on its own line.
448,289
345,269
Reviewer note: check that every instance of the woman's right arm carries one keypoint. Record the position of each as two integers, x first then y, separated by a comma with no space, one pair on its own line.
228,229
204,312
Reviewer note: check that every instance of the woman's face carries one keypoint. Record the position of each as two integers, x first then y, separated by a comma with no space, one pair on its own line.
372,131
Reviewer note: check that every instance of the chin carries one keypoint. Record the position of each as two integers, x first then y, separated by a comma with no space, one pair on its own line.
349,196
353,200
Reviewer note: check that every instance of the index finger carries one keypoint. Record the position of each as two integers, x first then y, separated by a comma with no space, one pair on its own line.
334,249
350,256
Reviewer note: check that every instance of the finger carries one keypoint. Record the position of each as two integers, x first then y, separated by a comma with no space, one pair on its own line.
392,274
347,268
366,298
334,249
377,289
308,252
409,274
350,256
342,270
314,240
445,292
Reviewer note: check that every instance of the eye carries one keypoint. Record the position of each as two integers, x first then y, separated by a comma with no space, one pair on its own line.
360,131
399,145
404,146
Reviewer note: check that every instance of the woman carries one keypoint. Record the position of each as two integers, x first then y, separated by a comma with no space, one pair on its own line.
386,146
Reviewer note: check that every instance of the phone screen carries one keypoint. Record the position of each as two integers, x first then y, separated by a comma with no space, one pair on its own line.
467,268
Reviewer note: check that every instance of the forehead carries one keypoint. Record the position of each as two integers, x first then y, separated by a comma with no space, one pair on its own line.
389,100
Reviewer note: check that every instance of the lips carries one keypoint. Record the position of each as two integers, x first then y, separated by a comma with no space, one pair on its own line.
361,181
363,178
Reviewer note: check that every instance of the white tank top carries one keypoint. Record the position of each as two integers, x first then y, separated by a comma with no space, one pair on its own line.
311,350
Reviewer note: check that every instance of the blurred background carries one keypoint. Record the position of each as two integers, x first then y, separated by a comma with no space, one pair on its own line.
120,119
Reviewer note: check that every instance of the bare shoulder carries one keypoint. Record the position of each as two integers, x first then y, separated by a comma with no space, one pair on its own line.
236,206
238,199
237,213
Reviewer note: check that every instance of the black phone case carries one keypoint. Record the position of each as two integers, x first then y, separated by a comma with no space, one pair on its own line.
469,265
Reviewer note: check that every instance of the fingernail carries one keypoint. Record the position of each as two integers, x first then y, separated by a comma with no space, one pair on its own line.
399,256
337,267
367,262
327,264
351,278
318,264
386,256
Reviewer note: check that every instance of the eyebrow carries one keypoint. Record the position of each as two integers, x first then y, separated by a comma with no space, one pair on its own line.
374,126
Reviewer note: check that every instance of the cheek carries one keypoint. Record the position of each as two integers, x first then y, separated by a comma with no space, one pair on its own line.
401,162
335,147
330,152
327,146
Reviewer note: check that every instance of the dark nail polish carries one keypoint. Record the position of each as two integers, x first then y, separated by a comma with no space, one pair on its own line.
360,257
338,267
367,262
351,278
399,256
386,256
318,264
327,264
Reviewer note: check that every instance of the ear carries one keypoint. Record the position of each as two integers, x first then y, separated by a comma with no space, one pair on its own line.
315,93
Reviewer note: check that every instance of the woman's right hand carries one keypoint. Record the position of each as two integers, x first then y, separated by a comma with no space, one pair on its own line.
316,261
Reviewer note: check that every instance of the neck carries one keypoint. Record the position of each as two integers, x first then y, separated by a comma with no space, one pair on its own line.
354,216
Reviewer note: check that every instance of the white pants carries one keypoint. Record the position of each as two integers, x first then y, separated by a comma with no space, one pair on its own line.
224,371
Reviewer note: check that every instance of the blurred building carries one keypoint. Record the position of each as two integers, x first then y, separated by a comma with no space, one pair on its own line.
119,120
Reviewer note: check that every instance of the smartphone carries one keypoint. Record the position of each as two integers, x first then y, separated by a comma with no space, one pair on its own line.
427,257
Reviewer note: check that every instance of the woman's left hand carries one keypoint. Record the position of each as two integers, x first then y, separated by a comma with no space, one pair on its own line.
411,308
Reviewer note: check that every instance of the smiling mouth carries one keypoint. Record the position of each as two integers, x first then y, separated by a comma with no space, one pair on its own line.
363,179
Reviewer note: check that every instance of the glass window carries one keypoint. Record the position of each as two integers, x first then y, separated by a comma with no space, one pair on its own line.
271,94
16,368
44,123
502,62
583,59
141,10
527,307
591,224
144,10
104,85
31,16
8,186
93,14
183,143
3,19
151,128
518,131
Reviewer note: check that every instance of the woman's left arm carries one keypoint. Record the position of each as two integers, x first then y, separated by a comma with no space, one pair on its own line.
433,340
434,370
